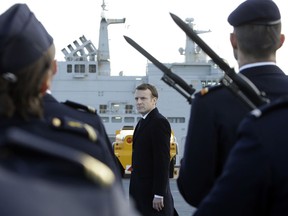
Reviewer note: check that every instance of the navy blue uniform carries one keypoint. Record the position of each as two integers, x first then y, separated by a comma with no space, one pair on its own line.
255,179
67,131
41,177
53,107
214,119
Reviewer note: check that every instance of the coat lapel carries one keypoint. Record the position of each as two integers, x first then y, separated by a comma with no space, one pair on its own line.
144,123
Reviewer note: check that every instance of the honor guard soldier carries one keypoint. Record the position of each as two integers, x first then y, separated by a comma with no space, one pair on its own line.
26,69
254,180
41,177
215,116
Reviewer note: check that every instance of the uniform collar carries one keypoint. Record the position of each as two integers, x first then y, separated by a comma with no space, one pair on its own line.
257,64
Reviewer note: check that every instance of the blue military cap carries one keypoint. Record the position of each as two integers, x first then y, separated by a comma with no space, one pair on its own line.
23,39
261,12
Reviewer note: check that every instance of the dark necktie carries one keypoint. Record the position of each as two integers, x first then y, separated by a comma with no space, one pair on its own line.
139,123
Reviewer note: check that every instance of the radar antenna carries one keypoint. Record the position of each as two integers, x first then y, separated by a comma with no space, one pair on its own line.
192,52
103,5
103,15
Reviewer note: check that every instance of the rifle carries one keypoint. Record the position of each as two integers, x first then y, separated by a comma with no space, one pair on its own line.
237,83
169,77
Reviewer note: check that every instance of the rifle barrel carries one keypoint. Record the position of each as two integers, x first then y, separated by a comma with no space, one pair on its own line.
194,36
240,85
178,80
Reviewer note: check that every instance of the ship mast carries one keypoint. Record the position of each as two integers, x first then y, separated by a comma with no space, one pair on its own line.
192,51
103,54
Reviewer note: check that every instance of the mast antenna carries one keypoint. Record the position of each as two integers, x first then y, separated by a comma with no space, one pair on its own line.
103,5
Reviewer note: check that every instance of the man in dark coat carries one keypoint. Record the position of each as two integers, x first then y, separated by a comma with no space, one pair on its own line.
215,115
254,180
149,182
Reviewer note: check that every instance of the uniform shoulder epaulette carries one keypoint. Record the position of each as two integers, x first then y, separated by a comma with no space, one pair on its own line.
281,103
208,89
93,169
80,107
74,126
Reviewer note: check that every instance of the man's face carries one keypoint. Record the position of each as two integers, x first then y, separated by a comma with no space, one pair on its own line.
145,102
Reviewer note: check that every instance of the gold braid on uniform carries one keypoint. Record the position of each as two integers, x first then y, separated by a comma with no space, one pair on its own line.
94,169
80,107
72,125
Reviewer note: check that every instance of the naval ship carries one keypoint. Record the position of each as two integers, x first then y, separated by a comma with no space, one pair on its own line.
85,77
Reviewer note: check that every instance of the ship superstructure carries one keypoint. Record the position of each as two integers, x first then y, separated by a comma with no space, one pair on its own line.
85,77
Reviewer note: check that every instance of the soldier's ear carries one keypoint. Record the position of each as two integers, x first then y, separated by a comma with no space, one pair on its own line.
233,40
45,83
49,76
282,39
47,80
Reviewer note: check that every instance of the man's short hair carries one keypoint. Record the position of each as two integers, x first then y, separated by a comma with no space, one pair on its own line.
145,86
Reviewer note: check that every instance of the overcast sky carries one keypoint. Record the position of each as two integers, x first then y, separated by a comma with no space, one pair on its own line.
148,22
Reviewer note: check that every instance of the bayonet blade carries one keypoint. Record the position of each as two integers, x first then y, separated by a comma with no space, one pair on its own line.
178,80
240,85
194,36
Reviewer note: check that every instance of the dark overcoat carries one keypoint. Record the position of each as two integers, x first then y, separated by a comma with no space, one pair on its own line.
150,164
